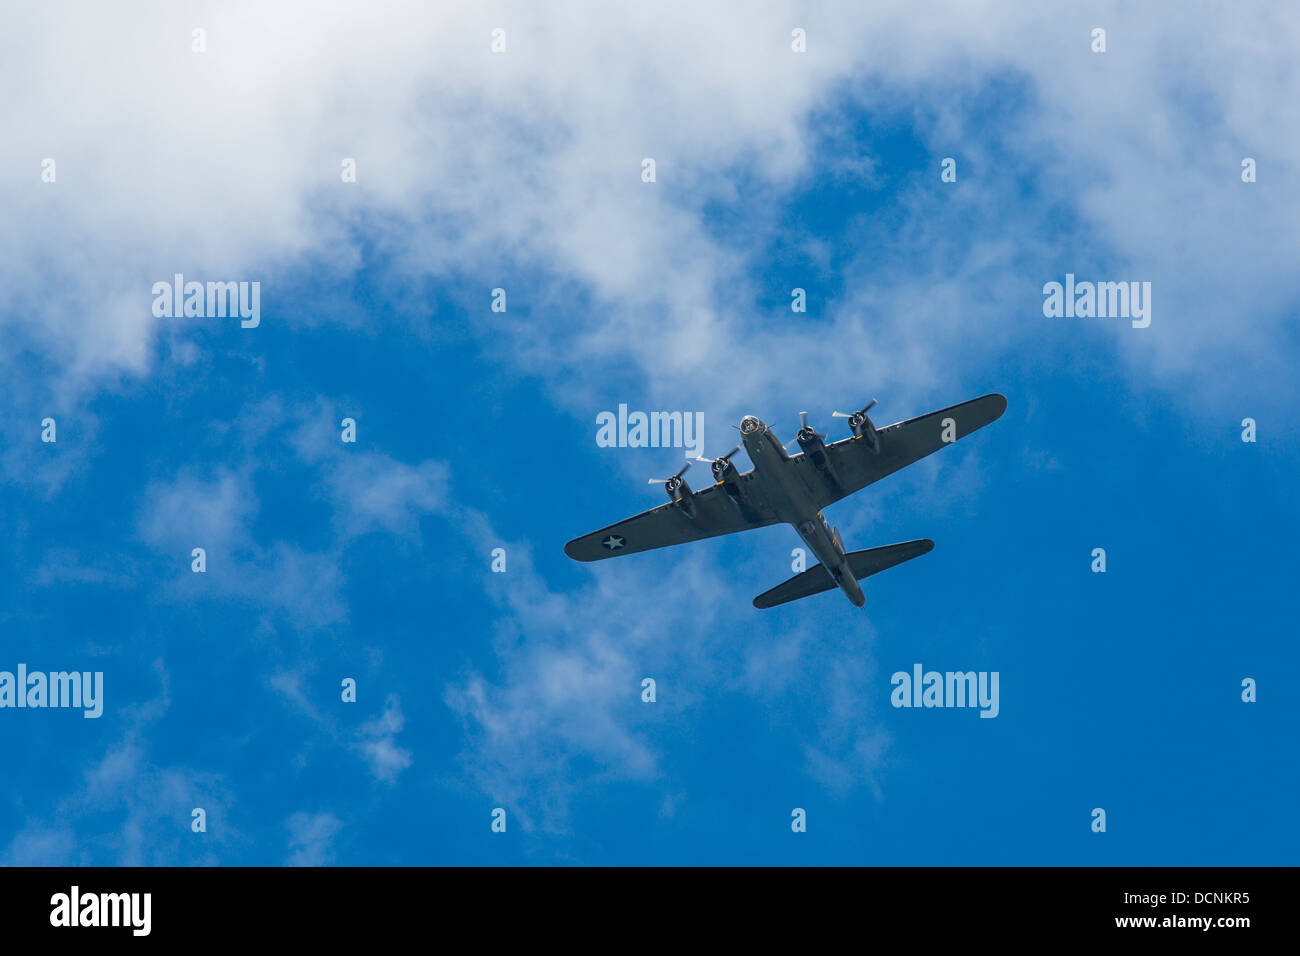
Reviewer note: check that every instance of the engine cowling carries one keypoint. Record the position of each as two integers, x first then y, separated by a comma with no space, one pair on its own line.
862,427
723,469
810,442
813,447
679,493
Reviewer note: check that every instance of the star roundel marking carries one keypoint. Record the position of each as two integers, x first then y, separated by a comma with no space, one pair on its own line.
614,542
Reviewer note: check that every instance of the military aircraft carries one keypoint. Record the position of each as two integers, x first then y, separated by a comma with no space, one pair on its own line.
794,489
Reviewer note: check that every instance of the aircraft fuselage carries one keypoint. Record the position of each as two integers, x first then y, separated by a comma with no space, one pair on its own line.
792,502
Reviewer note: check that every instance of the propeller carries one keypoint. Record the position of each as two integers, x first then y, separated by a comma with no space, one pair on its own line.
870,405
675,478
726,457
804,430
721,466
860,425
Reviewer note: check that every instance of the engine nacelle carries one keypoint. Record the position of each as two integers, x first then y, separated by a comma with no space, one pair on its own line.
728,476
813,447
723,469
861,426
811,443
679,493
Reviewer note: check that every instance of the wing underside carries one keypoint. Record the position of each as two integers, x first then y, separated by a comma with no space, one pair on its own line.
852,466
715,514
855,466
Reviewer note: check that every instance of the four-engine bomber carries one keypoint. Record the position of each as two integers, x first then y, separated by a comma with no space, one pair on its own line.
794,489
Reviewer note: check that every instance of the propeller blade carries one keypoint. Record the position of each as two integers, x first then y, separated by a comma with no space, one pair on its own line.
803,420
840,415
661,481
871,404
726,457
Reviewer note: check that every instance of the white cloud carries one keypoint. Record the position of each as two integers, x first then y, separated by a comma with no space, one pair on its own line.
375,492
523,170
226,164
191,511
562,712
311,836
130,809
377,741
360,492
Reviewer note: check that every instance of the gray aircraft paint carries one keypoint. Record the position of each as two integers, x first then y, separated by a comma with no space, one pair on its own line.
793,489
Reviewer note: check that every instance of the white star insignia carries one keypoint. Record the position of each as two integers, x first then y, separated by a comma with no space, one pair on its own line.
613,542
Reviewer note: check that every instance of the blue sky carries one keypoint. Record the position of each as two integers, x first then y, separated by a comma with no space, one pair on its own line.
476,430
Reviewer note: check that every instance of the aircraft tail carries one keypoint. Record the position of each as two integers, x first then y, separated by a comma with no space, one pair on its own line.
863,564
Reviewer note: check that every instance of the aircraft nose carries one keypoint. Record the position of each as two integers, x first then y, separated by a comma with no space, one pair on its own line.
749,425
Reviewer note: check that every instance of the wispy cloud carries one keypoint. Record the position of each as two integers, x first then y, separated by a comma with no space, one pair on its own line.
132,809
311,836
377,741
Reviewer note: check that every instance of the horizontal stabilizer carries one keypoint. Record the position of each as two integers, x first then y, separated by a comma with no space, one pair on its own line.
863,564
873,560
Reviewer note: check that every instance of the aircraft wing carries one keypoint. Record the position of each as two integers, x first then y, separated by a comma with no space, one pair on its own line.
715,514
856,466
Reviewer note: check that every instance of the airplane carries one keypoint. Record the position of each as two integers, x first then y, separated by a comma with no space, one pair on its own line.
794,489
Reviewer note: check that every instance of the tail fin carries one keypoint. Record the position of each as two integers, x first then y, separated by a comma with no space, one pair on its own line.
863,564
